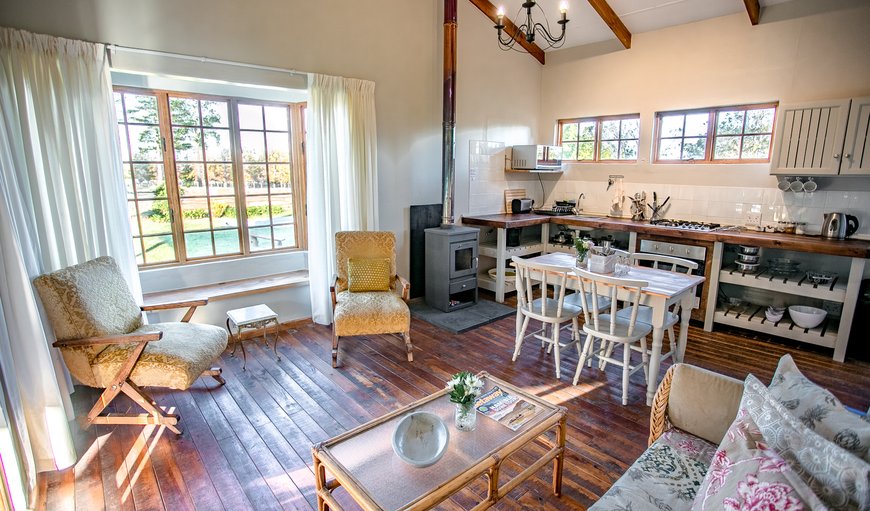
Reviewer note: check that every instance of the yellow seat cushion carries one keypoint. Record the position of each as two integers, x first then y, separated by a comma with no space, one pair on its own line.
368,274
175,361
371,312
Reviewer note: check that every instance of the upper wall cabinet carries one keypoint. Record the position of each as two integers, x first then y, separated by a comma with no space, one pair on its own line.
826,138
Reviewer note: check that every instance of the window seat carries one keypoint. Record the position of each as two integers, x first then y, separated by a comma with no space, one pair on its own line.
231,289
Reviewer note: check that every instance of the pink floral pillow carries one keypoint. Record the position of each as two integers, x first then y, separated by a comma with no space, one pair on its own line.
746,474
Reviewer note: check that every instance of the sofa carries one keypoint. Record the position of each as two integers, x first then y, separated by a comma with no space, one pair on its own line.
720,443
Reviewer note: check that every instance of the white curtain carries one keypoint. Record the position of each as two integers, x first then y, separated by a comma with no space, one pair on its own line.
62,202
342,175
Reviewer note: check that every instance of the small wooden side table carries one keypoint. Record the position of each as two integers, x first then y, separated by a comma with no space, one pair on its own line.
256,317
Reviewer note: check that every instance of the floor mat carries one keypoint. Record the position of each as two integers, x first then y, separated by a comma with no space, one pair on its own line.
462,320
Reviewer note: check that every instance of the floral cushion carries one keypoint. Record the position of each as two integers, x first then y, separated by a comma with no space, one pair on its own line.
376,312
665,477
840,479
819,410
747,474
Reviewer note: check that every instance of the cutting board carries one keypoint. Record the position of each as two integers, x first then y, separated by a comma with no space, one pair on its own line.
511,194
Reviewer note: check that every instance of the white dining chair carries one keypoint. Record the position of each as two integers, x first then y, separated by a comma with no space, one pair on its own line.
548,311
610,328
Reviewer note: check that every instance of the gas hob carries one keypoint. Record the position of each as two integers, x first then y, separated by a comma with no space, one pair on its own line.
689,225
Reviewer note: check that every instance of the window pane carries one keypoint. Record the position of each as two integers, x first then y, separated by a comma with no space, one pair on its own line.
630,128
184,111
191,179
133,216
609,150
610,130
261,238
696,124
187,143
694,148
198,244
670,149
258,211
195,215
255,179
159,249
285,235
220,179
276,118
253,146
628,150
730,122
145,143
672,125
119,106
137,250
569,131
279,146
227,242
128,181
585,150
759,121
756,147
217,145
224,213
282,209
569,151
727,148
587,130
122,138
250,117
279,178
150,181
155,216
214,113
141,108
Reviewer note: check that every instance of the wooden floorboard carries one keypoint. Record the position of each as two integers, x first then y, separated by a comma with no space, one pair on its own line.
247,445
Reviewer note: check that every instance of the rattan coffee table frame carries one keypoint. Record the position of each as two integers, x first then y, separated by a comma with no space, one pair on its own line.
554,419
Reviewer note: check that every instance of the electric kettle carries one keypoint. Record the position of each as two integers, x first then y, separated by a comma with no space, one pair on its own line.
839,225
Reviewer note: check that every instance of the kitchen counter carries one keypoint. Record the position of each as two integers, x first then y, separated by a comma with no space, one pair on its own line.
800,243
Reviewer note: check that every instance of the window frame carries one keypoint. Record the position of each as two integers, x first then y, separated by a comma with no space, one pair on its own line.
296,134
596,141
712,133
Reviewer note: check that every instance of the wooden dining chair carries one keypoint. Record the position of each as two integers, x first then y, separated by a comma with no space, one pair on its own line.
549,311
610,328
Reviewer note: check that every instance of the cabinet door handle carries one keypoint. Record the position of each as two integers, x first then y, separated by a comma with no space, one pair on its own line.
849,155
836,156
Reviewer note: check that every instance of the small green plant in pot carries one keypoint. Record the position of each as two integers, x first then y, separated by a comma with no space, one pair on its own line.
464,389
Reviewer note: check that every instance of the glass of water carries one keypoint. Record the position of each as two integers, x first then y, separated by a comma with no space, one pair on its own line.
621,267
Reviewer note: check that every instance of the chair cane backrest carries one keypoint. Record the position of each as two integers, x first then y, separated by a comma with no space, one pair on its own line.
674,264
593,285
550,277
363,245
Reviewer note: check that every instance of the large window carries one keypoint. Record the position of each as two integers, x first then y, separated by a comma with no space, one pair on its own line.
210,176
600,139
735,134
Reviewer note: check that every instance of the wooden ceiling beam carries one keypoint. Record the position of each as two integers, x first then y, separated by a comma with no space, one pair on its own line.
491,12
612,19
754,10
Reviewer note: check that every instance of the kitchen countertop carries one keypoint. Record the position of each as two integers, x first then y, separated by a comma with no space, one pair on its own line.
800,243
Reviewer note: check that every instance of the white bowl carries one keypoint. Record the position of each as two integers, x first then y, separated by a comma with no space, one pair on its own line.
773,316
420,439
509,273
805,316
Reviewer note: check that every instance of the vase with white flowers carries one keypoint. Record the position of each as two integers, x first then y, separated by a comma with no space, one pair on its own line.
583,246
464,388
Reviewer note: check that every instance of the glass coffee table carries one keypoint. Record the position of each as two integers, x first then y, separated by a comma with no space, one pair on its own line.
363,462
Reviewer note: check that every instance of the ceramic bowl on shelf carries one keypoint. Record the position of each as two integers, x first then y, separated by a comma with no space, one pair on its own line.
749,250
751,259
747,267
805,316
509,274
420,439
774,314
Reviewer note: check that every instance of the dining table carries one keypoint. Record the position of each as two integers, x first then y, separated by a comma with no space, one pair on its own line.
663,290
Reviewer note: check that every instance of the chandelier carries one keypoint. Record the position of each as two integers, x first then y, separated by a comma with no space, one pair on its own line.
531,29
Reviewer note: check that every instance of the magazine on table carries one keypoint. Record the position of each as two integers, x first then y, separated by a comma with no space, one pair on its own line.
504,407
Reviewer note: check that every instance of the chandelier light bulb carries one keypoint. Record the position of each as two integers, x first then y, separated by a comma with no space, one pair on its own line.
500,12
563,7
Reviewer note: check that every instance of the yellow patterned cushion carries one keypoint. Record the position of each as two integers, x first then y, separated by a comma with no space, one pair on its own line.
362,245
368,274
377,312
175,361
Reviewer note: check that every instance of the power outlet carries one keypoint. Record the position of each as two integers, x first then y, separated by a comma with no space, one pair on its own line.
753,218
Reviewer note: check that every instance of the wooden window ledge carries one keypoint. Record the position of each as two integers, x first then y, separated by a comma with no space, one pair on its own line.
231,289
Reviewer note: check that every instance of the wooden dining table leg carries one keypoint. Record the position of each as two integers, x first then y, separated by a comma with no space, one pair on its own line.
658,321
686,305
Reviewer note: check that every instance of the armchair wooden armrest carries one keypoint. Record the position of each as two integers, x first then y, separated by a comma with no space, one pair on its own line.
406,287
193,304
332,289
109,339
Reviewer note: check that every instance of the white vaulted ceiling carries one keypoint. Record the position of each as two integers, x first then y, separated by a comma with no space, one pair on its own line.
638,15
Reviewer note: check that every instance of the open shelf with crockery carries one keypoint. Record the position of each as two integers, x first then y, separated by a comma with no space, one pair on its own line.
752,316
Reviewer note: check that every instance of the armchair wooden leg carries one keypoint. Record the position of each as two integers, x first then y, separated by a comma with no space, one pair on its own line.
334,350
215,372
408,346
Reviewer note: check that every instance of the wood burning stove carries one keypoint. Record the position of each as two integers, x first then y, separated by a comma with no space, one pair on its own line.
451,267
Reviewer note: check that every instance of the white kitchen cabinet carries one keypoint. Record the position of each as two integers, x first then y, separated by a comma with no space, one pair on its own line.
822,138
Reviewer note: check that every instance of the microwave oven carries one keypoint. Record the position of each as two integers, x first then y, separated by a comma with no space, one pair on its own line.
536,157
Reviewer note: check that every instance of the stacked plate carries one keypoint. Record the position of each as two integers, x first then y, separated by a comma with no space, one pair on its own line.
747,259
774,314
783,266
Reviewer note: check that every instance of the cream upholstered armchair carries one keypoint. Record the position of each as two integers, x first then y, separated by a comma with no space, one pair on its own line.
104,344
364,291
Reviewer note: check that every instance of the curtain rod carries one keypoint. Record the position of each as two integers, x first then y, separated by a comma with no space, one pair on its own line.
209,60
